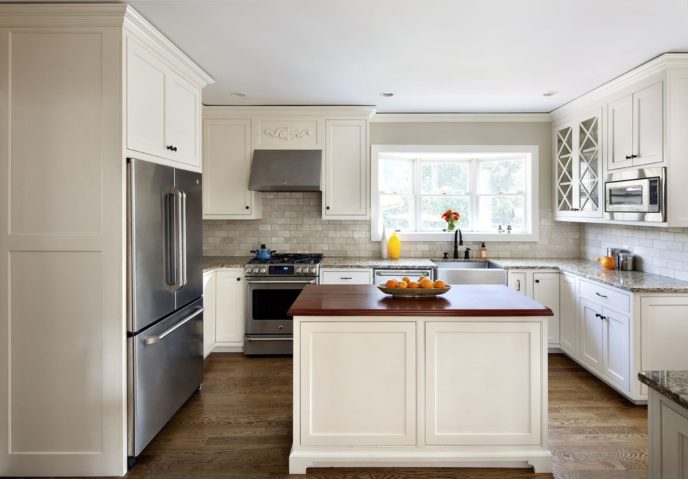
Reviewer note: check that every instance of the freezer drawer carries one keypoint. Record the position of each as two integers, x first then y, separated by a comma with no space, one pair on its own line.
165,368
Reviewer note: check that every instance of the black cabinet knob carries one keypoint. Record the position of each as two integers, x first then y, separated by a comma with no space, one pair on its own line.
634,156
628,157
238,279
248,207
171,147
537,281
327,207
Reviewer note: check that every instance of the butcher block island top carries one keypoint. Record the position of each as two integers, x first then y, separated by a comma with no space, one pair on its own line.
455,381
461,300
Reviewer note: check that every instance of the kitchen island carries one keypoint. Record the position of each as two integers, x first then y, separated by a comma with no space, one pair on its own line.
456,381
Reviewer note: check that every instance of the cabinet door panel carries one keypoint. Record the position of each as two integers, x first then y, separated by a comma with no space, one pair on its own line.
230,307
461,407
564,169
145,122
592,335
546,292
346,169
358,383
181,119
517,280
568,315
226,168
620,133
674,444
617,348
648,121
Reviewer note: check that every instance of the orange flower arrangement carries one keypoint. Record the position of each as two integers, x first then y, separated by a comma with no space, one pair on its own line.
451,217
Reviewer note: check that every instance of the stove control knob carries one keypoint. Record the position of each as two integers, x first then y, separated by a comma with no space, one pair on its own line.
248,269
255,270
263,270
312,270
299,270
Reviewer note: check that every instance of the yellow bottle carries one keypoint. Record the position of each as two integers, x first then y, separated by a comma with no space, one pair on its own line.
394,246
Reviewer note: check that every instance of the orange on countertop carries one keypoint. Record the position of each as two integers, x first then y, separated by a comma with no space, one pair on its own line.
440,284
426,284
607,262
413,285
407,279
403,284
392,283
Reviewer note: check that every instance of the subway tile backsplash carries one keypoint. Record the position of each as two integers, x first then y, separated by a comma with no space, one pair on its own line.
292,222
658,250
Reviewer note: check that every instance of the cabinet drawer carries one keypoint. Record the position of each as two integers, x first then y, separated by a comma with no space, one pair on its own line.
346,276
606,296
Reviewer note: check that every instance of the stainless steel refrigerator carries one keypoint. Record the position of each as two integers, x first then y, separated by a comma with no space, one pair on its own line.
165,303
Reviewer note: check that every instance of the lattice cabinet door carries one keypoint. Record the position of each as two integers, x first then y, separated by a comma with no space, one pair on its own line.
589,164
564,194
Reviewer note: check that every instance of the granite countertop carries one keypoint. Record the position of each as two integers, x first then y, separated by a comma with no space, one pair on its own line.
484,300
672,384
635,281
216,262
401,263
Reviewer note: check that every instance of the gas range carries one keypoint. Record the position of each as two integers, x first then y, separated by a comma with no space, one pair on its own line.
285,265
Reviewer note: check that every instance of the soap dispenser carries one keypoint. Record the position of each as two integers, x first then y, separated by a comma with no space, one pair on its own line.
467,254
483,251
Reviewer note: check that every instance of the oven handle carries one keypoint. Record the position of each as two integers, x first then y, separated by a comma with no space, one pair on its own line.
313,281
269,339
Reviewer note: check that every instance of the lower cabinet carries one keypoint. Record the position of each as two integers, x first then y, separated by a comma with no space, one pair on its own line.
543,287
668,434
224,299
568,314
346,276
458,410
342,367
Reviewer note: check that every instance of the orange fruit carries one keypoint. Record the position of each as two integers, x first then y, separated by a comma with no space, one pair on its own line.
426,284
413,285
403,284
406,279
421,278
440,284
392,283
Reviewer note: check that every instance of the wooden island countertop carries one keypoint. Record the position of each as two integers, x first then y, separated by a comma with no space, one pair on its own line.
460,300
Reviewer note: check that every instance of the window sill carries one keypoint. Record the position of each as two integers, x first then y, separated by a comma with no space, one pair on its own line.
445,236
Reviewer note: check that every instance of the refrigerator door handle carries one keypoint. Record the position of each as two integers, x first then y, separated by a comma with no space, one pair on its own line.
179,235
182,233
170,219
156,339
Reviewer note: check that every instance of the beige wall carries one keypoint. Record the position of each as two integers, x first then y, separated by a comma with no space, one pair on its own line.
480,133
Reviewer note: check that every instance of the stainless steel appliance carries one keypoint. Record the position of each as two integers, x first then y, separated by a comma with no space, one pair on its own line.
285,170
636,195
625,262
165,289
272,286
381,276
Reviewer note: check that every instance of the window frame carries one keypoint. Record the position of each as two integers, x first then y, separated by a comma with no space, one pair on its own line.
532,210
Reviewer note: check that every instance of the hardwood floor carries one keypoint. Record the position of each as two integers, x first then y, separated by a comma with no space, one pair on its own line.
239,426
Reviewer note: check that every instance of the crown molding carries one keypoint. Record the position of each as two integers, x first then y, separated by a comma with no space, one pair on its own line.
462,118
219,111
62,14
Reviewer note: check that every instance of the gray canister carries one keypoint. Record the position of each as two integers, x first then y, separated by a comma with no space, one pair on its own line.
625,261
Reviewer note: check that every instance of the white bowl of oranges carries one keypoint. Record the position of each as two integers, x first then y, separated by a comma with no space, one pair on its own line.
423,287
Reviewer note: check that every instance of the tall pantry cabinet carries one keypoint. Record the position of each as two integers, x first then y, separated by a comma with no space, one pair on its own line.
82,87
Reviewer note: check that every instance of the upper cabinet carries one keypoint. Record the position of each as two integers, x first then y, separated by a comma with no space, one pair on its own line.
346,184
226,167
635,120
163,107
636,128
232,134
578,166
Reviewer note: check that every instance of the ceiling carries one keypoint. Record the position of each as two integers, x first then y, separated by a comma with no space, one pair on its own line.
434,55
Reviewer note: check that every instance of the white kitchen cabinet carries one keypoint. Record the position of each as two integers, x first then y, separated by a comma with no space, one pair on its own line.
636,128
568,314
209,315
668,438
543,287
346,170
229,313
346,276
226,170
342,364
458,412
578,166
592,334
617,348
163,109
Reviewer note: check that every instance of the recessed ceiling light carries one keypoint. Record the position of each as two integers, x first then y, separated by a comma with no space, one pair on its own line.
238,93
550,93
387,94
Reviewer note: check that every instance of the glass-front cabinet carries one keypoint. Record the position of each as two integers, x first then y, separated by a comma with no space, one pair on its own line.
578,167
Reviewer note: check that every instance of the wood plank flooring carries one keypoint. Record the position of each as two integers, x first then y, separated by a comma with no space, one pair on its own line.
239,427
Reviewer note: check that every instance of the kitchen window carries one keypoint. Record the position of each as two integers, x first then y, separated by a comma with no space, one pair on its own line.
489,186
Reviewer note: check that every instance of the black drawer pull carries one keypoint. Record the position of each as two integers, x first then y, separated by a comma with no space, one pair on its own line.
601,295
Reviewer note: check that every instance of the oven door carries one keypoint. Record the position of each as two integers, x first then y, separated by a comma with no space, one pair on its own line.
267,302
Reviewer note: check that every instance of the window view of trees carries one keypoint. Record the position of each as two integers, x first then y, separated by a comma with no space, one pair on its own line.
487,192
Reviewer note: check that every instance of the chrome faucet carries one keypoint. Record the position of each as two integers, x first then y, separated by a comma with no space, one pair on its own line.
458,241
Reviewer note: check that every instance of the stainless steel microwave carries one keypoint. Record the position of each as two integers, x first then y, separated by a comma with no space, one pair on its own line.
636,195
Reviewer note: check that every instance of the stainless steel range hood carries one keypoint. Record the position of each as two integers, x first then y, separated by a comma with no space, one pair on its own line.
285,170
